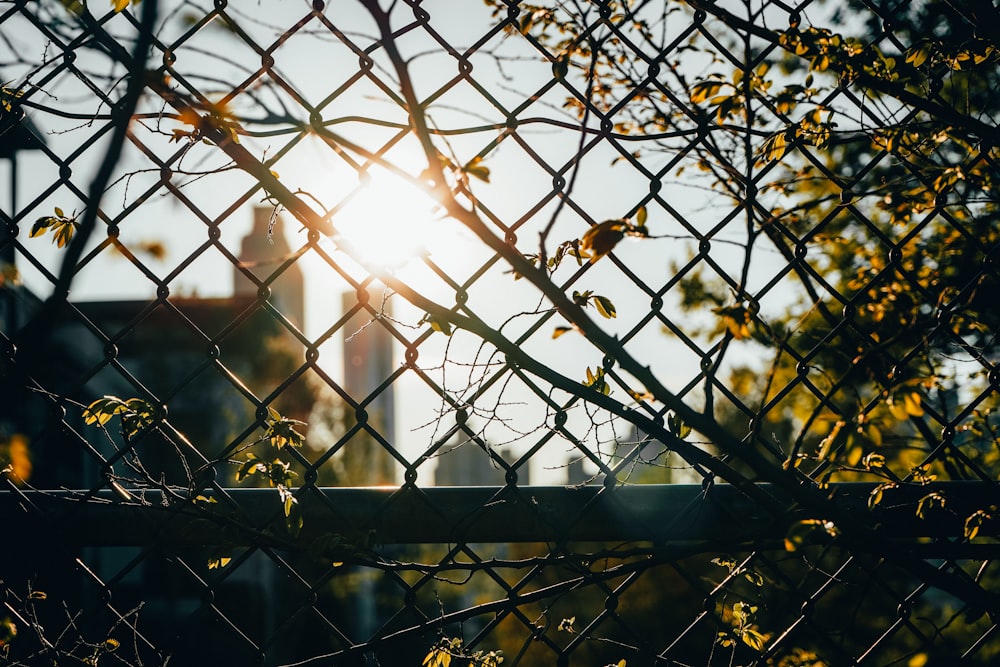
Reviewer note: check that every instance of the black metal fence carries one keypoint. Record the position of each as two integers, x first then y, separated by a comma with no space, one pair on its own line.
573,333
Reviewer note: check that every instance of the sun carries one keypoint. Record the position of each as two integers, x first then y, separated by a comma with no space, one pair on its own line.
388,221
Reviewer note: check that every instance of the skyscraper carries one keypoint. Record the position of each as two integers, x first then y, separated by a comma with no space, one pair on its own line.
263,252
368,365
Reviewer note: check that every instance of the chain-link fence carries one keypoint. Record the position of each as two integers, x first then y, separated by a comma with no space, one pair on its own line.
569,333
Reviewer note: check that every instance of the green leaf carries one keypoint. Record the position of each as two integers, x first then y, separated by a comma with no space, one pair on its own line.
605,307
281,431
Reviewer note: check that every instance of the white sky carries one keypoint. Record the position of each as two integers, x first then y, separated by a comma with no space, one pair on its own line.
315,64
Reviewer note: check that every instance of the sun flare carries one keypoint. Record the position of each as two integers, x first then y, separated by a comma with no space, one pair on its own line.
389,221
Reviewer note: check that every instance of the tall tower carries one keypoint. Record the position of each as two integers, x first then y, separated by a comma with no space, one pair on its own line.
263,250
368,364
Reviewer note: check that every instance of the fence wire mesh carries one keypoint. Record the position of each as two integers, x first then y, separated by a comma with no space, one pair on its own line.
572,333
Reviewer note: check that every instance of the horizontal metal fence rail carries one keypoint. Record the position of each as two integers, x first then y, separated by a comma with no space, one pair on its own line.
715,518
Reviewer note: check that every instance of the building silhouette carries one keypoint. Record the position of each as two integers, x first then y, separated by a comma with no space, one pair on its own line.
265,252
368,369
209,362
468,463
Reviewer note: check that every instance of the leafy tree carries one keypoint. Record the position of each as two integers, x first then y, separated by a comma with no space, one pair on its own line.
866,161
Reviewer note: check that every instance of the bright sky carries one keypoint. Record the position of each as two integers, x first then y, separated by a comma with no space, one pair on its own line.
389,220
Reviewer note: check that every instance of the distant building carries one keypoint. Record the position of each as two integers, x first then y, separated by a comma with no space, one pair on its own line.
203,359
576,473
208,361
649,465
263,252
469,464
368,365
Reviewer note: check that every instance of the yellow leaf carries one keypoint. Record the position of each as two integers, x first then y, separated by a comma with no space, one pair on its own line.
911,403
559,331
603,237
119,5
928,502
216,563
800,531
475,167
973,523
18,458
703,90
875,497
854,455
737,319
641,215
826,447
640,395
917,56
605,307
437,324
776,147
753,639
873,460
